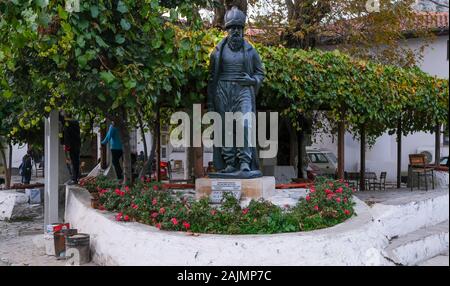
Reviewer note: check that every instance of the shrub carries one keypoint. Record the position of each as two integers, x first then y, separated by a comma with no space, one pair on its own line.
328,203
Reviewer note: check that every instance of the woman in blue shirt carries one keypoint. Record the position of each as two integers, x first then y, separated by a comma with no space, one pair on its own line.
113,137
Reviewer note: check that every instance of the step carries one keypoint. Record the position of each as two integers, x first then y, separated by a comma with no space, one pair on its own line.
440,260
419,246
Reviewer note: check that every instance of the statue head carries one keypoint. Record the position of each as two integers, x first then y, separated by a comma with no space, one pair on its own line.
234,24
234,17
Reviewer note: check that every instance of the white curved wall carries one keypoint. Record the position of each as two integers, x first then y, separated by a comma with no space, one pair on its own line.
355,242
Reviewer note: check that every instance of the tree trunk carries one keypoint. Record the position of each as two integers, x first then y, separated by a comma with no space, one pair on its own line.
144,141
147,168
5,164
300,154
103,151
219,14
125,137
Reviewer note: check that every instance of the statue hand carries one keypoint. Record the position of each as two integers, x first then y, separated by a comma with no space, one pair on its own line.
246,79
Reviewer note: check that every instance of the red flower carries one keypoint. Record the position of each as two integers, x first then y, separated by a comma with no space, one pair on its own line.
134,206
327,191
338,199
345,200
174,221
158,225
330,196
142,179
316,208
308,198
155,187
148,180
245,211
347,212
339,190
118,192
154,202
127,189
126,218
186,225
346,184
101,207
162,210
119,216
213,212
154,214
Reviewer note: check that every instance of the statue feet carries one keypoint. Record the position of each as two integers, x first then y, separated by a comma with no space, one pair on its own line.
229,169
245,167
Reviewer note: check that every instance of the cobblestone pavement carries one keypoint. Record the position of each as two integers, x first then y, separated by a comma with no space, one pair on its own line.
22,244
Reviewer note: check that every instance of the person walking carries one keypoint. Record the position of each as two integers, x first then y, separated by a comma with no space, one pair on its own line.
26,167
72,146
113,137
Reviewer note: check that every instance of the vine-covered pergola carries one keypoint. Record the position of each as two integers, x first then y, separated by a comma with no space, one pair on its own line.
123,61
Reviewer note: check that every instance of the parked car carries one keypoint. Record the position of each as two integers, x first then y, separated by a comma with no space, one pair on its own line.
323,160
444,161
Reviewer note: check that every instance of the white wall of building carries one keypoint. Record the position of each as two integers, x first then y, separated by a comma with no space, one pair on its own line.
383,155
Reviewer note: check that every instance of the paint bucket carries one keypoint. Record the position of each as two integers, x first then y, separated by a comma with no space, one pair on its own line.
49,239
60,241
78,246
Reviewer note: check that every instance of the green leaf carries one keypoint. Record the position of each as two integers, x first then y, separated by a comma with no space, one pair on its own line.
94,11
7,94
129,84
100,42
62,13
107,77
42,3
120,39
125,24
121,7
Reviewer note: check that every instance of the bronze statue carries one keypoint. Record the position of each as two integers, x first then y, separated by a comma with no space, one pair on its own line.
236,74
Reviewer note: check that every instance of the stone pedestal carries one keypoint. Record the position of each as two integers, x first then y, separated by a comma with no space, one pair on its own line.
257,188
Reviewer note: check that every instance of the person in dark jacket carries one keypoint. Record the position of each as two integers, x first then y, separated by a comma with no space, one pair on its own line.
72,145
26,167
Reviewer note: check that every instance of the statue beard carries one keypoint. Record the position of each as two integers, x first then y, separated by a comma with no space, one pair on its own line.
235,42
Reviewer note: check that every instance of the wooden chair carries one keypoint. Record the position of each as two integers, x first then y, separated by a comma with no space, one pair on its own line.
351,180
176,181
380,184
419,166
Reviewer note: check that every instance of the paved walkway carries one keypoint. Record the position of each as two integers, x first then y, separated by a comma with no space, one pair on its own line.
398,196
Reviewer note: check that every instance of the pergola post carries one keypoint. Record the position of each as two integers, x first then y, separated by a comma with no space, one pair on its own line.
437,150
158,145
362,179
51,168
197,140
341,149
399,153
